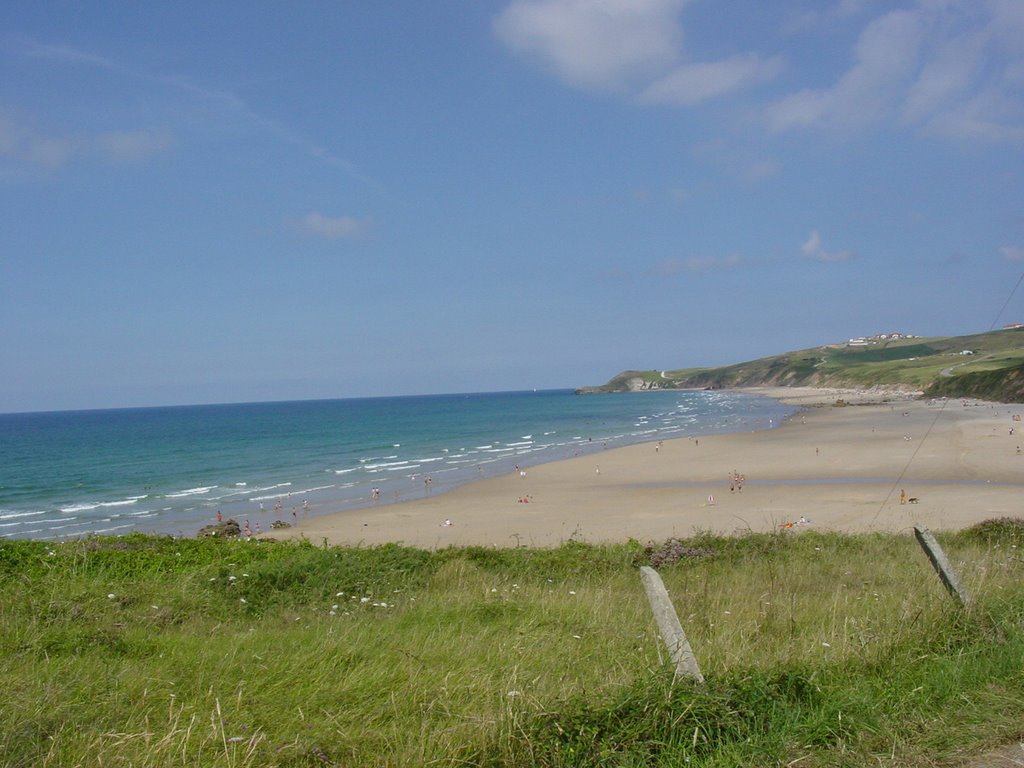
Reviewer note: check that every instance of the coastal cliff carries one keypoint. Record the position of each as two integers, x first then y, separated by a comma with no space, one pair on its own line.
986,365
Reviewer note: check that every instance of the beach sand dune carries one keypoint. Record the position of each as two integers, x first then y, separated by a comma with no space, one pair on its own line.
841,468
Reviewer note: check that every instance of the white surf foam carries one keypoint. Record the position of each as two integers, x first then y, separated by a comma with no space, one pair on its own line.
12,515
190,492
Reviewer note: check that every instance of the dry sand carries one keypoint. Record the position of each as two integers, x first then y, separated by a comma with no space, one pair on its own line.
840,468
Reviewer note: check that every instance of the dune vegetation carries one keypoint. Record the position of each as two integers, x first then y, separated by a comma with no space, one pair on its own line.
819,649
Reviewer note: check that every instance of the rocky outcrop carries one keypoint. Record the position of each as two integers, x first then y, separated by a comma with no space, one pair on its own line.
225,530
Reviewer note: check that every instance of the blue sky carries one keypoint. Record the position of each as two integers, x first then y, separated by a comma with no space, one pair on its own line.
217,202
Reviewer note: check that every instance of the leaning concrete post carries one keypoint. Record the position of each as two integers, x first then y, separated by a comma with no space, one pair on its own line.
942,565
668,622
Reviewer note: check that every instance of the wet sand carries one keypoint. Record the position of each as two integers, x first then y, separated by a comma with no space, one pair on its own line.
840,468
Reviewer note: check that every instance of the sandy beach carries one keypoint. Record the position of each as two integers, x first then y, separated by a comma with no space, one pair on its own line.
839,468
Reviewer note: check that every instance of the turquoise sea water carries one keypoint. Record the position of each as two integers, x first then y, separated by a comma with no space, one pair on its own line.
170,470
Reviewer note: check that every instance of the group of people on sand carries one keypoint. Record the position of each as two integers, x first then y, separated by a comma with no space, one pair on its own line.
736,481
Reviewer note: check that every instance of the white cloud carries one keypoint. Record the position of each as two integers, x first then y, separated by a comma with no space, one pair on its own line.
946,74
886,54
827,16
946,67
331,228
132,146
1012,253
598,44
813,248
691,84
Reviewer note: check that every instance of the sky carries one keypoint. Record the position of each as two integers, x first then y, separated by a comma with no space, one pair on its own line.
234,202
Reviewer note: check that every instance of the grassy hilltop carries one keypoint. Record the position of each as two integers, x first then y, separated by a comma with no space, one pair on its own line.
819,650
994,369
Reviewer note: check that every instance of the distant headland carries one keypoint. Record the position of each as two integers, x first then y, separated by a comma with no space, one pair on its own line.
988,366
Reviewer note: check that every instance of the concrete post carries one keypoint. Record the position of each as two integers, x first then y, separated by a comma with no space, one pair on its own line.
668,623
942,565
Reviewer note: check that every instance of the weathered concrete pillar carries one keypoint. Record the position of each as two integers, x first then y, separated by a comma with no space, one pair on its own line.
942,565
668,623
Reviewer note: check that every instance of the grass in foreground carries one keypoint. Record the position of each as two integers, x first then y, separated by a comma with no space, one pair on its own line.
818,648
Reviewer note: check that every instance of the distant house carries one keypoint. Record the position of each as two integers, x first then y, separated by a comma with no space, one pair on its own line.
967,352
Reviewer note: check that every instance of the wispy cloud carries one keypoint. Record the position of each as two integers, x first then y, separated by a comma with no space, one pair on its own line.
132,146
120,145
65,54
28,145
1012,253
692,84
952,68
744,163
814,249
331,227
231,102
675,266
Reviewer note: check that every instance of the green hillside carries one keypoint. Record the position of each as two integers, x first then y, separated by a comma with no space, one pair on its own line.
987,365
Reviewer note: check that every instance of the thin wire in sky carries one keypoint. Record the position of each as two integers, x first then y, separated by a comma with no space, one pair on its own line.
1007,303
939,412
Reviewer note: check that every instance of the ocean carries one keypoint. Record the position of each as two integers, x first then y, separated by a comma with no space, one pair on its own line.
171,470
